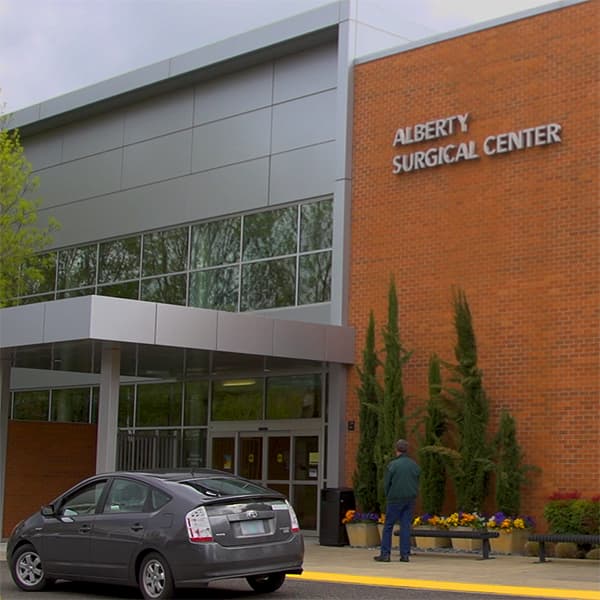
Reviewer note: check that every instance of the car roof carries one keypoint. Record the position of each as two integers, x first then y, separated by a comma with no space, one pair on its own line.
173,474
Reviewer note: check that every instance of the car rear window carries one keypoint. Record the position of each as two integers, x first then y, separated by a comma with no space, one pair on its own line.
225,486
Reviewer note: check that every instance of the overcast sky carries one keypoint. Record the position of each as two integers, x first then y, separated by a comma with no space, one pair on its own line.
51,47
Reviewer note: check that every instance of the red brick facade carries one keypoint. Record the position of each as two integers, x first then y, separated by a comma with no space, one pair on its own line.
518,232
43,460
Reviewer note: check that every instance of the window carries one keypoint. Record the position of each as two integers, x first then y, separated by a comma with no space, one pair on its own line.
165,251
159,405
31,406
294,397
216,243
71,405
77,267
268,284
215,288
270,233
84,501
119,260
126,496
237,399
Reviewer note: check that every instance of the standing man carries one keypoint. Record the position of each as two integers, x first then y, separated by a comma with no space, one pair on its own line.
401,485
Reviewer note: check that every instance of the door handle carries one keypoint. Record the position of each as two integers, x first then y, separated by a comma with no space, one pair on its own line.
85,529
137,527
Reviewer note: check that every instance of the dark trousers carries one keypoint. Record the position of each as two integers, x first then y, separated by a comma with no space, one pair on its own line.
397,513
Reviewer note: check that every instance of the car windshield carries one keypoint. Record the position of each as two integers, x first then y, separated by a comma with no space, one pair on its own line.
225,486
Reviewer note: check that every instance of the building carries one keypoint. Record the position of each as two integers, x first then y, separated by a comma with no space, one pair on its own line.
230,216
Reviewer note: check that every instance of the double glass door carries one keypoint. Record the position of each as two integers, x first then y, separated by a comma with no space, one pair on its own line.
283,461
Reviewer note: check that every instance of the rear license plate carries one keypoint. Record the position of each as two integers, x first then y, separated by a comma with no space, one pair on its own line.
252,527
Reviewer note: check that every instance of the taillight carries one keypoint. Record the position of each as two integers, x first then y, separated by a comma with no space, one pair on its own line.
293,518
198,525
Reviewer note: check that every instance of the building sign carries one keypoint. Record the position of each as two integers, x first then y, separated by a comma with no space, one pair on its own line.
449,154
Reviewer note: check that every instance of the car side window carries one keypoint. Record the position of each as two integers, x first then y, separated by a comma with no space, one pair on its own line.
158,499
84,501
126,496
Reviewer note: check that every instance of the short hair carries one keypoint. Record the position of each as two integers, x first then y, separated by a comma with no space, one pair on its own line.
402,446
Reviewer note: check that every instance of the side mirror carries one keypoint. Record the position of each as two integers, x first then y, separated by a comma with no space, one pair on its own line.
48,511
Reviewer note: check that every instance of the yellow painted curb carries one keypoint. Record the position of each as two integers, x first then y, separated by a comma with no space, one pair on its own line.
511,590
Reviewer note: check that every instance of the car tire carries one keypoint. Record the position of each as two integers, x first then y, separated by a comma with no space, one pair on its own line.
27,569
155,579
264,584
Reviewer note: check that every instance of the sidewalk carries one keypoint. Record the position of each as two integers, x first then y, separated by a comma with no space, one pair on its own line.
569,579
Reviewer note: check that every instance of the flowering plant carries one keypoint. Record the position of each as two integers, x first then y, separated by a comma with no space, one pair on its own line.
353,516
464,519
505,523
427,519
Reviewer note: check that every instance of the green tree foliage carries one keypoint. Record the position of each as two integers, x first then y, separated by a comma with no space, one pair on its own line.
365,476
21,239
433,469
471,472
511,472
392,424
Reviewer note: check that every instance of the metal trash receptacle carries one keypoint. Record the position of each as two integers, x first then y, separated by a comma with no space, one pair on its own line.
334,504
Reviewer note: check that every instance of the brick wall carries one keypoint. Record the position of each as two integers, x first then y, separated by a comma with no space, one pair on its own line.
519,232
43,460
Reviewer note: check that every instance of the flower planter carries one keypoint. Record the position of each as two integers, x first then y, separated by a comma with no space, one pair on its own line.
510,542
363,535
429,543
465,543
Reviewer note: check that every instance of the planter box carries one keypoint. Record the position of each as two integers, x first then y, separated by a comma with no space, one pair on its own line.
512,542
429,543
363,535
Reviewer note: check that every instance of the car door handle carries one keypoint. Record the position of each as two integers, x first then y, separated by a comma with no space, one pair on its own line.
85,529
137,527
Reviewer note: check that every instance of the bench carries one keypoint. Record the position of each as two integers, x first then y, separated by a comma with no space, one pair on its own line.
474,534
576,538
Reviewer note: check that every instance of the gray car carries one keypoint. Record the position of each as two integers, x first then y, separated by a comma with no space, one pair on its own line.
159,531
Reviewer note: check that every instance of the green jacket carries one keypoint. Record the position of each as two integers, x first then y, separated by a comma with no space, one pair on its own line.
401,481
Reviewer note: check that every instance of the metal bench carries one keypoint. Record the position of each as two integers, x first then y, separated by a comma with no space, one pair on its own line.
576,538
475,534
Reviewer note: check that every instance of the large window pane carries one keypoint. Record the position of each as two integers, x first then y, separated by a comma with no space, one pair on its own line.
130,289
159,405
316,225
168,290
87,291
271,233
195,410
237,400
315,278
160,362
126,403
119,260
77,267
73,356
165,251
294,397
268,284
72,405
194,448
216,288
31,406
216,243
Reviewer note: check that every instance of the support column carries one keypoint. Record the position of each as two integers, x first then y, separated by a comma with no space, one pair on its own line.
108,409
4,412
336,439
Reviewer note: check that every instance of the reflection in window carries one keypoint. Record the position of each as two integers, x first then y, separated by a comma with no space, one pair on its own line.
316,225
216,288
130,289
119,260
294,397
169,290
70,405
270,233
193,448
195,411
40,273
31,406
268,284
126,397
237,399
77,267
314,283
165,251
216,243
75,293
159,405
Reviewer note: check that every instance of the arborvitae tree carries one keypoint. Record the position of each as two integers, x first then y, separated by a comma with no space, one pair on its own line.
511,472
21,239
392,425
471,473
433,469
365,475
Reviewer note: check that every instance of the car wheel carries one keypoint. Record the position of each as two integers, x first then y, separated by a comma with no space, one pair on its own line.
27,569
266,583
155,579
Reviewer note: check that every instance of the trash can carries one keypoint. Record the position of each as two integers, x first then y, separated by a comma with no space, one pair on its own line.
334,504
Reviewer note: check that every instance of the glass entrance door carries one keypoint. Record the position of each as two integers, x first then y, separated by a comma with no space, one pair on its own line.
283,461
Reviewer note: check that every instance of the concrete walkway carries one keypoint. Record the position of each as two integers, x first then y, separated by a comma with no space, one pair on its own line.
569,579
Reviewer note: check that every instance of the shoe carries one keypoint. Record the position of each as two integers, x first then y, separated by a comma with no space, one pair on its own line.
404,559
381,558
